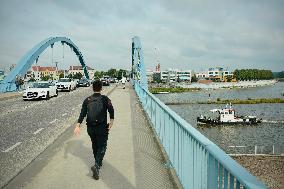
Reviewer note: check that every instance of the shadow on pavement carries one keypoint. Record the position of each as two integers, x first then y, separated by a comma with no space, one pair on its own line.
112,177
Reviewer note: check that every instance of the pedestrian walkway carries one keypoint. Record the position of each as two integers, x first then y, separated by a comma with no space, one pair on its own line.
133,158
9,95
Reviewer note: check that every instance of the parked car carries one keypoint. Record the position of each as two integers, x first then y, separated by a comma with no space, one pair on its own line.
40,90
83,83
66,84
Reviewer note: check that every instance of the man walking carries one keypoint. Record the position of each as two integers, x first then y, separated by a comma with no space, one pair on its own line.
96,107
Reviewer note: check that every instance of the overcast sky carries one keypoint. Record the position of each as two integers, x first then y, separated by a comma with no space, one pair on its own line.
182,34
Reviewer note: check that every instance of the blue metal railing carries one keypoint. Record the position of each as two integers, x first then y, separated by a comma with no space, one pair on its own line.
198,162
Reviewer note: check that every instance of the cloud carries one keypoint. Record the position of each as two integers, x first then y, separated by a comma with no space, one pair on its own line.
186,34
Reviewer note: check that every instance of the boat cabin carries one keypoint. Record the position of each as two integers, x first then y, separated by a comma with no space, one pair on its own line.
225,115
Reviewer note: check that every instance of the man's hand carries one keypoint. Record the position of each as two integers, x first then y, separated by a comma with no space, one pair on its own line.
77,129
110,124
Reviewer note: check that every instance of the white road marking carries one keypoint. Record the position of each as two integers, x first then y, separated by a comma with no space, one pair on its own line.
36,132
53,121
64,114
73,108
12,147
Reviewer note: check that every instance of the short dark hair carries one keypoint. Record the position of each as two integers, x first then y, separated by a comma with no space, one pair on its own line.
97,85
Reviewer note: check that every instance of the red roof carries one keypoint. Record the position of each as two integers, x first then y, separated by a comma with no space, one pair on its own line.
79,68
43,69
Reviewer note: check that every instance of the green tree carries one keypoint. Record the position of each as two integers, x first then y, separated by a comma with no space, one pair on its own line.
45,78
229,78
112,72
98,74
252,74
194,78
70,76
157,77
32,79
61,75
77,76
121,73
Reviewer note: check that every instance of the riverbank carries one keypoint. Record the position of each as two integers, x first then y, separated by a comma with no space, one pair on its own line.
230,85
157,90
189,87
269,169
232,101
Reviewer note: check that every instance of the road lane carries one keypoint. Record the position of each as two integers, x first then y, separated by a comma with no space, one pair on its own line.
28,130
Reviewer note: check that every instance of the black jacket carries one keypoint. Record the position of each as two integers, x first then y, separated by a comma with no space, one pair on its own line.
107,108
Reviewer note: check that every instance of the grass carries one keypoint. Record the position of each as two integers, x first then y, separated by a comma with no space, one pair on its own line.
172,90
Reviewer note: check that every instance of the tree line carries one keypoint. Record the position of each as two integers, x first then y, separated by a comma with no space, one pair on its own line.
252,74
114,73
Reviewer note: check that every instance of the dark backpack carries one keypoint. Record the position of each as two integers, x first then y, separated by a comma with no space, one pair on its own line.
95,110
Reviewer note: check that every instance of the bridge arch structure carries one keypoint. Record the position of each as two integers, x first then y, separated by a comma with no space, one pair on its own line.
138,72
8,84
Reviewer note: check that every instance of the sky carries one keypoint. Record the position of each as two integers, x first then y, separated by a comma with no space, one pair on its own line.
182,34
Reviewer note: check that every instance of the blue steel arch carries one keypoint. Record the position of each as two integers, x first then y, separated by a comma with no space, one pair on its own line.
8,84
138,71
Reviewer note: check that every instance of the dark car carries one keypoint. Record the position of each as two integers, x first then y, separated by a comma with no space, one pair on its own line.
105,82
111,80
83,83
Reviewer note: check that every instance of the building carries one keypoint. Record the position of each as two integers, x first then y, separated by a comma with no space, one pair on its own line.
174,75
78,69
202,75
149,74
184,76
216,74
37,72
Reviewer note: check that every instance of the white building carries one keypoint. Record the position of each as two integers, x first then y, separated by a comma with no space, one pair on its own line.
184,75
78,69
173,75
202,75
214,73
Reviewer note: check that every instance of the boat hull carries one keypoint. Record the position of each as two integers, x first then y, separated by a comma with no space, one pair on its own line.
245,121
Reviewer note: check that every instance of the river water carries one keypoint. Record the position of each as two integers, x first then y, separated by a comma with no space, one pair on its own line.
265,135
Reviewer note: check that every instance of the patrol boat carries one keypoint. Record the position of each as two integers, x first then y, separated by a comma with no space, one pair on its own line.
227,116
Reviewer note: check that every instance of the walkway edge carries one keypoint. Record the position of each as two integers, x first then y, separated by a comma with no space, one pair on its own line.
173,175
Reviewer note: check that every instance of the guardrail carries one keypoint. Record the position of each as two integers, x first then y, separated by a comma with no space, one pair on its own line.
198,162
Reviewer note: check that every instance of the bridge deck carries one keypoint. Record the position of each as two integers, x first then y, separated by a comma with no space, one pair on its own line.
133,158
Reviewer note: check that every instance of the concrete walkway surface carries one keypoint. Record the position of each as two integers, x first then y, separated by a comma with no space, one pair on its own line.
133,158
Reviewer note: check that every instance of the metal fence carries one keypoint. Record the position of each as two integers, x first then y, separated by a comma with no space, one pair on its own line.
198,162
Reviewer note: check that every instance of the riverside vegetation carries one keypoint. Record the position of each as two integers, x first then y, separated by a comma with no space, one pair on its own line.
234,101
155,90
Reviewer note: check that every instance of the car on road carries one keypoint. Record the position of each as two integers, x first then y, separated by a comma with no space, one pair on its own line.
66,84
105,82
112,80
83,83
40,90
